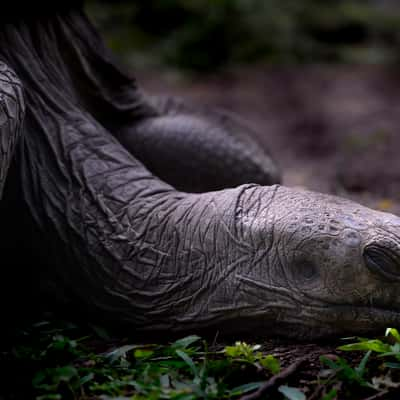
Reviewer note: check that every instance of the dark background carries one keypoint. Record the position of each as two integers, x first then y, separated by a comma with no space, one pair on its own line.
204,35
318,79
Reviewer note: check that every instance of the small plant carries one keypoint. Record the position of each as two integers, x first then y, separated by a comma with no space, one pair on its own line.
244,352
345,372
58,360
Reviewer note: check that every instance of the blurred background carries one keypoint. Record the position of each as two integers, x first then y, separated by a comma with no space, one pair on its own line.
318,80
205,35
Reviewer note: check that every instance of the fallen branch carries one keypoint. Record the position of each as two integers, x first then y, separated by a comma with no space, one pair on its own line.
378,395
275,380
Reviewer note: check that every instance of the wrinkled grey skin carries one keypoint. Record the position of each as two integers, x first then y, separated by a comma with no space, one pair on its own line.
126,247
198,150
11,117
313,270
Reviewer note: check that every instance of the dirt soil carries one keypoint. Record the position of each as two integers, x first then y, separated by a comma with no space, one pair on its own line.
334,129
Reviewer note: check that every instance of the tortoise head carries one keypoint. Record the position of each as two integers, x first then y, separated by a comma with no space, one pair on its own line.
333,264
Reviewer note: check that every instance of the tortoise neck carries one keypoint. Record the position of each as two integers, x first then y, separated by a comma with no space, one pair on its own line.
62,59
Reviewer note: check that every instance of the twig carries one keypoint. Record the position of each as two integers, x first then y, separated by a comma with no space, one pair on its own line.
275,380
316,392
320,388
378,395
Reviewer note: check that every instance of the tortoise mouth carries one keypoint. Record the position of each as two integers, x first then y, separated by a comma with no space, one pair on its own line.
383,261
348,319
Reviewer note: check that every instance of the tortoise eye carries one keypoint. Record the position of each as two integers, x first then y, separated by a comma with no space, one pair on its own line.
306,270
383,261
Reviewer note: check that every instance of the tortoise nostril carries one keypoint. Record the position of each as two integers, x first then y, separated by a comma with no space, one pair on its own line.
382,260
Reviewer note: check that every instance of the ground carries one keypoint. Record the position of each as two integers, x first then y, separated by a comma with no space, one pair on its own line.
332,129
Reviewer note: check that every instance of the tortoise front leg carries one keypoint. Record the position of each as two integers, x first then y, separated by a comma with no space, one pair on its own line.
198,150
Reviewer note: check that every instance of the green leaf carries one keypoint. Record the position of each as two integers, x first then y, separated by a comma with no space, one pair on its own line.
65,373
244,351
185,342
330,395
393,365
292,393
140,353
87,378
330,363
248,387
182,396
165,381
396,348
120,352
375,345
393,332
271,363
346,372
189,362
39,378
52,396
361,367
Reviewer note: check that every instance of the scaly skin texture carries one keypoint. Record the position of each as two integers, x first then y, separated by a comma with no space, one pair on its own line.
126,247
11,117
198,150
312,264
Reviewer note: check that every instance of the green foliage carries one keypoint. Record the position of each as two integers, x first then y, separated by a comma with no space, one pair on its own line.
59,360
244,352
204,35
292,393
387,348
66,365
380,377
345,372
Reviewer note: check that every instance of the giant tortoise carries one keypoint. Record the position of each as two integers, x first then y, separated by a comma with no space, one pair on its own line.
157,215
